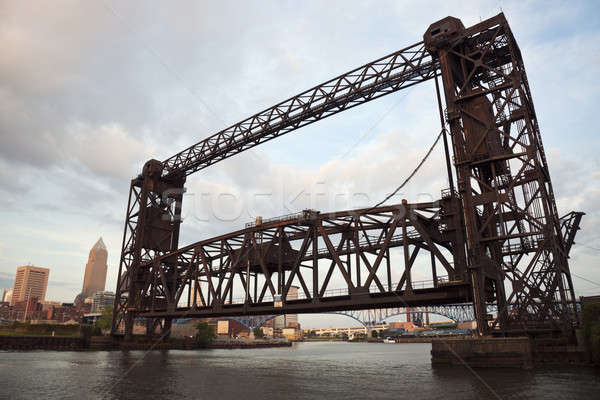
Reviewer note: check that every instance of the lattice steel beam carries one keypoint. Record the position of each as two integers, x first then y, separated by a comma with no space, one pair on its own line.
386,75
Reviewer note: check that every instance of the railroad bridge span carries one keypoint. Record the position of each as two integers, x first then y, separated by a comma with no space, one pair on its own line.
494,236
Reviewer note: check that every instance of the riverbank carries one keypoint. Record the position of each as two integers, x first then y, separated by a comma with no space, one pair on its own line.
70,343
30,342
189,345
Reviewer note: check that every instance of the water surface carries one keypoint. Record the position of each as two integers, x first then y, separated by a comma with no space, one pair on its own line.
331,370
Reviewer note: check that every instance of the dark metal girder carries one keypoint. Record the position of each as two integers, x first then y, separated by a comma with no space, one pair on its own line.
388,74
419,297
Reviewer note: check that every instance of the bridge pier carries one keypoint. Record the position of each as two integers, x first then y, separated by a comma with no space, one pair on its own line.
128,328
150,327
483,352
166,328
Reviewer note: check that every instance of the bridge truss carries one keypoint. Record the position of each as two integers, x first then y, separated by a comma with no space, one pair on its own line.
495,237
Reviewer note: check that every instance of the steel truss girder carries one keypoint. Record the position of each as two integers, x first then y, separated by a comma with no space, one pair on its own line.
386,75
354,245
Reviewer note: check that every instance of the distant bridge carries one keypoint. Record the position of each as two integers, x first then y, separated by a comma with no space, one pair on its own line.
462,312
456,312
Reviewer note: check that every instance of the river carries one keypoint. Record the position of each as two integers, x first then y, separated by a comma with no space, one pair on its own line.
324,370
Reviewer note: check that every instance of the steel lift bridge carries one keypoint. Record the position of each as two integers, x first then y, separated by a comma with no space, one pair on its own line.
494,236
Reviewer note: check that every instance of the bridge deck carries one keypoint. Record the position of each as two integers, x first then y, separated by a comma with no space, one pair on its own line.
447,294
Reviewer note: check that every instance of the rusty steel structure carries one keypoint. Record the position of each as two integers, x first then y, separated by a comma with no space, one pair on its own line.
493,238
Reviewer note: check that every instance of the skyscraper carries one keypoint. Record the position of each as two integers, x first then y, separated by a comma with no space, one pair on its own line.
7,295
95,270
30,281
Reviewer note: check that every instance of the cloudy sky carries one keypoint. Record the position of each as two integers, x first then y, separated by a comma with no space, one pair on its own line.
91,90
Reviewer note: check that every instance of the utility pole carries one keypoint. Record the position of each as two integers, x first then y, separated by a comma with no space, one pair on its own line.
27,305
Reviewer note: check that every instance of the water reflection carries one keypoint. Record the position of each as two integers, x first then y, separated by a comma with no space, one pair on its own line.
305,371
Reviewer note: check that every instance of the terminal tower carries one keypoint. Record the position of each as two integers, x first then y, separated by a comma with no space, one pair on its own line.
95,270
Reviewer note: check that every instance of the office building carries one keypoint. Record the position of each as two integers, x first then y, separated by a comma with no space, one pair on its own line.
30,281
102,300
95,270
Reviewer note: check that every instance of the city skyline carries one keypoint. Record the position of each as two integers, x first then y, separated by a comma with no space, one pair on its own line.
167,109
94,277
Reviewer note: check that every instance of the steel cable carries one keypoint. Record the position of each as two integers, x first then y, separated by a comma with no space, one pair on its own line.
413,173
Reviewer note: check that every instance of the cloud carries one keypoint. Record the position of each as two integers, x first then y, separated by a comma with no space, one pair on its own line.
107,150
90,91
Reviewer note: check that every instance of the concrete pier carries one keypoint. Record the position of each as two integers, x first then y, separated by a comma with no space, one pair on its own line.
483,352
517,352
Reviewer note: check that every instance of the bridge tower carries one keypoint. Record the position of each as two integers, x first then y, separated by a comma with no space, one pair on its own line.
151,229
513,234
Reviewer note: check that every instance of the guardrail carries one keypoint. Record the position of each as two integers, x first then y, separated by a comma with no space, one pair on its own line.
287,217
373,289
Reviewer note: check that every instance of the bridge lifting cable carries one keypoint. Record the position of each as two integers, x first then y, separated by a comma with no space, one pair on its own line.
437,139
405,182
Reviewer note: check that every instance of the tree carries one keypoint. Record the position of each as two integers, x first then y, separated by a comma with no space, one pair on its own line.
205,334
258,333
105,321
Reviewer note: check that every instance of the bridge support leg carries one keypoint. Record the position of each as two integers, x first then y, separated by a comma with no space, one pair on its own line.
150,327
151,229
166,329
129,327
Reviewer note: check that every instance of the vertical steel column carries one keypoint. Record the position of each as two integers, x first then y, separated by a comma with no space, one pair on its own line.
511,225
151,229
